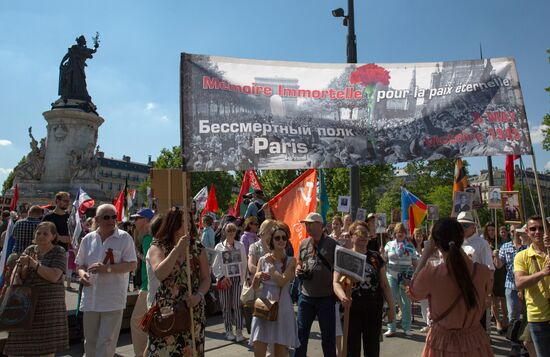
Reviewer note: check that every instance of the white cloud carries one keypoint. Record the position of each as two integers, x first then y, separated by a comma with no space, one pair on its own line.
164,119
547,166
4,171
150,106
537,135
4,142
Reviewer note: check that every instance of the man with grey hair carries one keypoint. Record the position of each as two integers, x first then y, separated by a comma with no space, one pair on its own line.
104,261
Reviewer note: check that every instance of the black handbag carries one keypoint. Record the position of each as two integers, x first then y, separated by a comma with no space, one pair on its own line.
18,304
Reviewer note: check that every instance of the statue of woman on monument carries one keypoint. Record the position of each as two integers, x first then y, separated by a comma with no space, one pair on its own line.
72,78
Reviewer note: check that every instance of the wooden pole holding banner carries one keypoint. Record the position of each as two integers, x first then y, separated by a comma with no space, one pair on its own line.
496,227
186,193
186,189
541,204
346,282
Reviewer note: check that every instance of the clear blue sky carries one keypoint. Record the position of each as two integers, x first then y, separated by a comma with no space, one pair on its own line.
134,79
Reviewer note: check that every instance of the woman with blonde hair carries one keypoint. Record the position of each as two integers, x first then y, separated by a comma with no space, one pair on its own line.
261,247
402,258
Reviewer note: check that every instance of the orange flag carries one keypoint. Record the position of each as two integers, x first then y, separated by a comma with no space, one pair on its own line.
460,179
293,204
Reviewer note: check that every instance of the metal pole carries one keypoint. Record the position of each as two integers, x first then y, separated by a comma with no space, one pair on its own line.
354,174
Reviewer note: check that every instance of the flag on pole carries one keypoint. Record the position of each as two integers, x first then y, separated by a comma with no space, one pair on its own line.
413,209
250,183
211,203
200,198
15,198
130,198
460,181
323,196
510,171
81,203
6,251
294,203
120,203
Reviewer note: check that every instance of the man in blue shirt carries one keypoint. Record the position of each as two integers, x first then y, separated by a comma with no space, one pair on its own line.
208,238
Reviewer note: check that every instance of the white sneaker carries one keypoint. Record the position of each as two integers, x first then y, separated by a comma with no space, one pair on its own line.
425,329
408,333
229,336
239,336
389,333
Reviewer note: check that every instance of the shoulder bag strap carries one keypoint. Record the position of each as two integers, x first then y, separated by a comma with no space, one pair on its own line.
455,302
323,260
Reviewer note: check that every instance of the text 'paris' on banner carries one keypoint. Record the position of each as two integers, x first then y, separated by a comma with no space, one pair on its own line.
242,114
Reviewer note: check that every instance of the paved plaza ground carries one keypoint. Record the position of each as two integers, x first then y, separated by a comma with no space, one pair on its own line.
216,345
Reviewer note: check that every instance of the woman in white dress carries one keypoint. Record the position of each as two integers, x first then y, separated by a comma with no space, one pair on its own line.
274,272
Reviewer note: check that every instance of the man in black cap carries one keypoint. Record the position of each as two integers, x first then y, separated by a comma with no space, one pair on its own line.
255,206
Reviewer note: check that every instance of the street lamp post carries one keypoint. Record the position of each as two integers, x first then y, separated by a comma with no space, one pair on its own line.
349,21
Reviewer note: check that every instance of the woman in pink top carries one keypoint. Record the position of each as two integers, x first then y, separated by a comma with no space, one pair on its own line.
458,300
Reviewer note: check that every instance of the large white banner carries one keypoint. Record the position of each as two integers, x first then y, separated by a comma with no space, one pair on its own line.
247,114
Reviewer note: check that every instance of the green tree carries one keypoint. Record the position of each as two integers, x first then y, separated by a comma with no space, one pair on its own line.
373,178
222,181
442,197
428,174
546,121
8,182
391,198
273,181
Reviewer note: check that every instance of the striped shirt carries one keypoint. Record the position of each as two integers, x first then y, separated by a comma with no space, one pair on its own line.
507,254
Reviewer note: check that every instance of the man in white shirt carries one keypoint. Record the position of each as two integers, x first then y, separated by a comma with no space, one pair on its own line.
105,259
475,247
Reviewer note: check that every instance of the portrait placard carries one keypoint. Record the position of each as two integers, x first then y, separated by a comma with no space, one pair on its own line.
433,213
380,222
495,199
511,207
344,204
349,263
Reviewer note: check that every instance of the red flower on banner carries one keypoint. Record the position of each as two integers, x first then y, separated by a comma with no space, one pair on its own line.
370,74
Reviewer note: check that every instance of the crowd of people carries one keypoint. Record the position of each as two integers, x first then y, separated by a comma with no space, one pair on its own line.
460,278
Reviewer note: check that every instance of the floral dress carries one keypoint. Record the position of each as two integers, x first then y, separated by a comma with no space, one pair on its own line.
173,290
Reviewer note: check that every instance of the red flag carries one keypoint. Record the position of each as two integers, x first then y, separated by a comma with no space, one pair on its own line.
15,199
211,203
232,211
119,205
250,183
293,204
510,171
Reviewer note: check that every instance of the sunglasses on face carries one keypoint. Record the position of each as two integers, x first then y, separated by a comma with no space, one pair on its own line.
535,228
252,224
280,237
108,217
